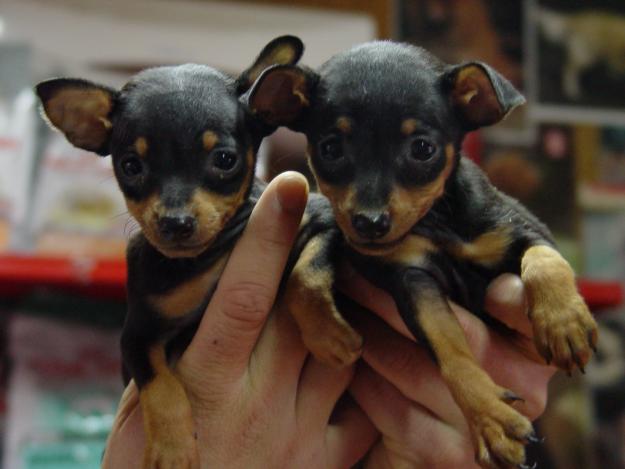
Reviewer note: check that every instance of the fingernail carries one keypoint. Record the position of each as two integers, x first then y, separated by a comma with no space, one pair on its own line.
292,192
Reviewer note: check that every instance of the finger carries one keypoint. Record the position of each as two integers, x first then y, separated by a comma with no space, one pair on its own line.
507,364
124,447
350,436
371,297
506,301
411,370
246,292
406,365
408,425
319,389
279,352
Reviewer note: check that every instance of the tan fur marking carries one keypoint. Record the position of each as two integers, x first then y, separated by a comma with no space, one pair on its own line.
344,125
408,206
141,147
167,417
488,249
209,140
82,115
408,126
308,296
412,250
188,296
466,85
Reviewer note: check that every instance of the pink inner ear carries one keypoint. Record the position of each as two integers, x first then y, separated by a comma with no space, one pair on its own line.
474,96
82,115
280,97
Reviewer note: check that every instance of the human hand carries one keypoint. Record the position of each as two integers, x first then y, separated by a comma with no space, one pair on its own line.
400,388
258,400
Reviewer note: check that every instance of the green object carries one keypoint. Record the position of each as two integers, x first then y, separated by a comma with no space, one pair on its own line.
64,455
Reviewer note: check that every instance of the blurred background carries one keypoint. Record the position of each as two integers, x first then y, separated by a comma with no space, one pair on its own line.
63,223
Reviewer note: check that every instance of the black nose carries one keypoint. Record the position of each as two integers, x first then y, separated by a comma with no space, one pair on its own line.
176,228
371,225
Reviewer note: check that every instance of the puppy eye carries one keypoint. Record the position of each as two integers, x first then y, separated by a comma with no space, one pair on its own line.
132,167
422,150
331,149
224,163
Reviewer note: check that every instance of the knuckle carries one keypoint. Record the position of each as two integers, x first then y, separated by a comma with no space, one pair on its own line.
402,361
536,404
247,304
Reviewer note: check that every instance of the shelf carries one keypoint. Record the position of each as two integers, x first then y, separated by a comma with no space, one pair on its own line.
20,274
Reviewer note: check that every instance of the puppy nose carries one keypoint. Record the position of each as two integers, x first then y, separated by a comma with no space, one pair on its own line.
177,227
372,225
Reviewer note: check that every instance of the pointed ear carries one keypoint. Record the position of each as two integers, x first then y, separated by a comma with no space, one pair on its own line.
81,110
480,95
281,94
283,50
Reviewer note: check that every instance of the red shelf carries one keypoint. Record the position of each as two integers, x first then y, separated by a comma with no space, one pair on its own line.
100,278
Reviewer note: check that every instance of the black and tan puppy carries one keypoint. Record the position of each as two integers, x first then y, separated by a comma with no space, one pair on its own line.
385,123
183,150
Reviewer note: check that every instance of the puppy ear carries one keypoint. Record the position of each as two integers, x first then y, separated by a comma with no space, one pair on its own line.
280,95
480,95
81,110
283,50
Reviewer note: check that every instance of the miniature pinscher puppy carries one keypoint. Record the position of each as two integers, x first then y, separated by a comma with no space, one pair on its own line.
183,149
385,123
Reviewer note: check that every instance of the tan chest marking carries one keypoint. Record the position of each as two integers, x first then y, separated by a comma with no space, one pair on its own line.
412,251
488,249
188,296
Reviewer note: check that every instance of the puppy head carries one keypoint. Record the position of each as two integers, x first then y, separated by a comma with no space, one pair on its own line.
384,123
182,144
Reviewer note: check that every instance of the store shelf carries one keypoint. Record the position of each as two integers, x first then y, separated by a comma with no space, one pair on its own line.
93,277
601,294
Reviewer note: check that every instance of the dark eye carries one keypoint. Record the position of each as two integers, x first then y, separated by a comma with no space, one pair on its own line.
422,150
224,160
224,164
331,148
132,167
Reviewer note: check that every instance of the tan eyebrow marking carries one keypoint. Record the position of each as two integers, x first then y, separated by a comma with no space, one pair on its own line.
408,126
141,146
344,124
209,140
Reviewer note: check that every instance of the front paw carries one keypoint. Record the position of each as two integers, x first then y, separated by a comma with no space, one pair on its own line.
334,343
174,450
500,433
565,333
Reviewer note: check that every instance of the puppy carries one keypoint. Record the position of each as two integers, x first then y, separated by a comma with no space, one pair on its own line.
183,150
385,123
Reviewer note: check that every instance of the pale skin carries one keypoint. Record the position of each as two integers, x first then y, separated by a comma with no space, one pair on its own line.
260,401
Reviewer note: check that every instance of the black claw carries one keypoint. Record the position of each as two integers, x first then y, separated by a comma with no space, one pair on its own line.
510,396
525,466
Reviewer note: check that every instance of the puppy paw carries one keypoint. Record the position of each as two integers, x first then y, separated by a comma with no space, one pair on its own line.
334,343
500,433
565,333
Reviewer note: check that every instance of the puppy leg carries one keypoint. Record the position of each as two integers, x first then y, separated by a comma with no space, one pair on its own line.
167,418
564,330
308,296
499,432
